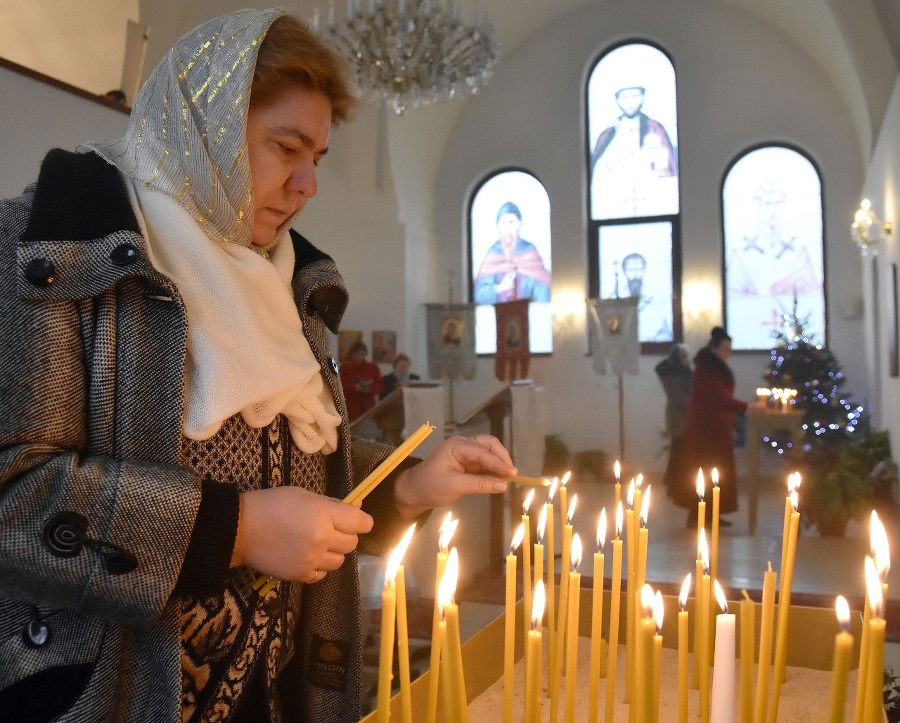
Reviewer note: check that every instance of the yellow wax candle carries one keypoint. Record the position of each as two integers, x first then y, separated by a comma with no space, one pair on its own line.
556,654
563,516
617,470
765,645
386,652
448,527
388,623
566,558
658,611
863,672
748,635
526,557
551,575
539,547
881,556
683,645
701,501
403,649
875,665
840,669
446,672
643,684
714,550
614,606
705,596
572,629
597,623
455,701
454,655
793,482
509,638
630,605
698,609
784,607
533,658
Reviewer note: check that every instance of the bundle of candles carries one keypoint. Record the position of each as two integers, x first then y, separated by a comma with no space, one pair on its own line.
780,399
552,616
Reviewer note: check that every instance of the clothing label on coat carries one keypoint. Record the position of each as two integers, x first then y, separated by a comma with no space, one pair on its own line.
328,663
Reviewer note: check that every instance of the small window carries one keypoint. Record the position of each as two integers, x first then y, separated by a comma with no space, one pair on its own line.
773,238
509,256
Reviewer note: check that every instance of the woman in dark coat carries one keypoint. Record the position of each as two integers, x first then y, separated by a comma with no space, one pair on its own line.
675,374
709,430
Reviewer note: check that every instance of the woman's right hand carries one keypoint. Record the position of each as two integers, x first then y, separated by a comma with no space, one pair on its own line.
294,534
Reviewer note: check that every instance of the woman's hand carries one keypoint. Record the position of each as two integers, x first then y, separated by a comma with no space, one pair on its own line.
295,534
460,466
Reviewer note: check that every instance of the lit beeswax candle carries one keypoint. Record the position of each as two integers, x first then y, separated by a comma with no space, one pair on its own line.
784,607
874,706
701,501
448,527
509,638
403,634
658,611
558,654
614,607
539,560
533,658
526,556
765,645
572,628
643,685
703,605
722,709
714,549
875,535
617,470
550,593
597,622
683,645
748,633
843,647
457,691
698,610
388,619
631,588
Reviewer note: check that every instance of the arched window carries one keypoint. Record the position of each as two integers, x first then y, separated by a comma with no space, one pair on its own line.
773,236
634,224
509,255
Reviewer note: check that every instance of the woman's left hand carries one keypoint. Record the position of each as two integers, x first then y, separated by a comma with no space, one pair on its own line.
460,466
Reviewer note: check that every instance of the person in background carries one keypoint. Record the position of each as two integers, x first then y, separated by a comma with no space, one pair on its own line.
172,426
399,376
361,380
709,429
675,374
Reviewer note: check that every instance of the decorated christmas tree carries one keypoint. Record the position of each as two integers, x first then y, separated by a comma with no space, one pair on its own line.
799,362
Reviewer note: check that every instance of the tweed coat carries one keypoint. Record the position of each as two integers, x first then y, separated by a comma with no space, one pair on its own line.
96,514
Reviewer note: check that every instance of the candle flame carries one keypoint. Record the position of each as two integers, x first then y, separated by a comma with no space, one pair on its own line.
658,611
552,492
447,585
396,557
873,588
647,600
714,476
683,595
793,482
448,528
537,605
601,530
720,596
571,511
619,515
517,538
629,496
795,500
527,503
617,470
881,549
565,478
842,610
575,555
542,522
639,480
645,507
703,550
701,485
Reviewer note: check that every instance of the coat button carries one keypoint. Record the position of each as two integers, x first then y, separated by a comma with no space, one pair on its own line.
334,364
64,534
40,272
123,255
36,634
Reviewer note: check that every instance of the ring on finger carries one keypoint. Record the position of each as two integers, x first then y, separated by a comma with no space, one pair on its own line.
315,577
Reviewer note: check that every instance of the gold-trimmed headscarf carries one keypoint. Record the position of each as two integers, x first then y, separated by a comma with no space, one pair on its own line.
187,133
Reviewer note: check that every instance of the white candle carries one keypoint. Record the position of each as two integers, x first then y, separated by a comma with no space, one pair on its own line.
723,696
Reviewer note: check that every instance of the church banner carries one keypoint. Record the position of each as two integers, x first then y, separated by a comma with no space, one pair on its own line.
451,340
511,361
614,335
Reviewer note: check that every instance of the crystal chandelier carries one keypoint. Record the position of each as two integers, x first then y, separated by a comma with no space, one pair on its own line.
411,53
867,229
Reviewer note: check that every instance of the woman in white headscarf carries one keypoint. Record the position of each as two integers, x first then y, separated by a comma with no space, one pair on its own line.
171,419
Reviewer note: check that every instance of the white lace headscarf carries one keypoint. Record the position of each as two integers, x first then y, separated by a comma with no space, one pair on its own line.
185,155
